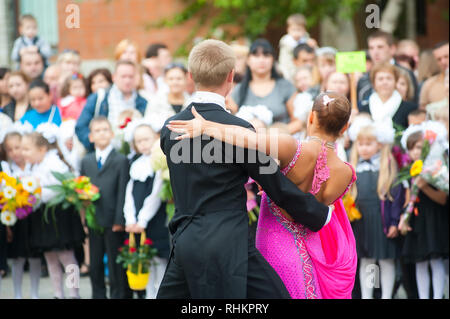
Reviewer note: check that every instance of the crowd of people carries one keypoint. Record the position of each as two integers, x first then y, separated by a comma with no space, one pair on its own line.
108,121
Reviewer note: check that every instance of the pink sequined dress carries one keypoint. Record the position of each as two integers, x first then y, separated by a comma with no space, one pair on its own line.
311,264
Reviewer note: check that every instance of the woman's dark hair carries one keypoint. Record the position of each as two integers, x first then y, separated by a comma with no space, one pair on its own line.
103,71
175,66
3,72
38,83
259,45
332,116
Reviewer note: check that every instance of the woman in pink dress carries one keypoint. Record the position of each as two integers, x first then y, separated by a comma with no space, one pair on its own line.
311,264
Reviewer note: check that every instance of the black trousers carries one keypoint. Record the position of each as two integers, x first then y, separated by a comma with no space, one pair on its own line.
262,281
109,242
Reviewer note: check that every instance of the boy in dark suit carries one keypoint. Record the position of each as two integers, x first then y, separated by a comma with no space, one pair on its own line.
109,171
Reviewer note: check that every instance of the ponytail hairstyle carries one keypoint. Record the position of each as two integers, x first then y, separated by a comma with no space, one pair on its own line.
40,141
388,166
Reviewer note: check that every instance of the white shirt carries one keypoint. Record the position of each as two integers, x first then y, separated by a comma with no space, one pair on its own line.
208,97
140,170
43,171
103,154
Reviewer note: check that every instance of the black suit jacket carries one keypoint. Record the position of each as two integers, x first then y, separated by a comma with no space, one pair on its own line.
211,239
400,117
112,181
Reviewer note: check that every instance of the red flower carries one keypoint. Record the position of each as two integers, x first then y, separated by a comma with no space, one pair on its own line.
132,250
120,249
148,241
124,125
127,242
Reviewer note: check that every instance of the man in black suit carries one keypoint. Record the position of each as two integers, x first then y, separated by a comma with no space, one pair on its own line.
213,254
109,171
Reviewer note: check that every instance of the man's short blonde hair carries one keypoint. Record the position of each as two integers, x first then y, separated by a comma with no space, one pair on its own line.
210,62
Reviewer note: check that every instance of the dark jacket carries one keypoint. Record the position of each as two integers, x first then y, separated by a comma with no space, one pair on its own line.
112,181
400,117
82,126
10,109
391,210
210,225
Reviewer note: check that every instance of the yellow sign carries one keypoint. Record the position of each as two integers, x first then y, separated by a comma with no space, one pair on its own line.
349,62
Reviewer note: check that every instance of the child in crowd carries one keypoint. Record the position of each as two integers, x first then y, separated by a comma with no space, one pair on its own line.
109,171
29,40
426,244
18,90
143,210
98,79
417,117
379,203
41,102
296,34
326,64
18,236
73,97
58,237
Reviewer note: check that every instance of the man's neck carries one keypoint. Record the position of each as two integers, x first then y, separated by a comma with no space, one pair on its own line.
220,90
101,148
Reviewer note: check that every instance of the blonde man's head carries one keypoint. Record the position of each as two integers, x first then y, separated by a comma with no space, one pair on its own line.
210,62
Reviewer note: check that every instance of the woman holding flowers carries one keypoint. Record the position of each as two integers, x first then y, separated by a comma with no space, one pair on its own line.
426,242
144,211
55,231
18,234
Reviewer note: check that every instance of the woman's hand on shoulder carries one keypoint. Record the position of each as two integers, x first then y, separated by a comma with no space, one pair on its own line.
189,128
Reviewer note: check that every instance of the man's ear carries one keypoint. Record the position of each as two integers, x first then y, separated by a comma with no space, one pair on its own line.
230,76
90,138
190,76
344,128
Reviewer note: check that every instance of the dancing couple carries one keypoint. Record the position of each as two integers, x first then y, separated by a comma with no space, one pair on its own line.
304,246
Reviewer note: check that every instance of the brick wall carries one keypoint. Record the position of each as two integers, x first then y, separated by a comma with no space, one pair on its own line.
103,25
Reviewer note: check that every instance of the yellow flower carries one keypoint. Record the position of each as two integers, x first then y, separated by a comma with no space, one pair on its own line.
416,168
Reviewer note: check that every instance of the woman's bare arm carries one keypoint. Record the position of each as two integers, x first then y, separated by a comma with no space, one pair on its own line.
280,146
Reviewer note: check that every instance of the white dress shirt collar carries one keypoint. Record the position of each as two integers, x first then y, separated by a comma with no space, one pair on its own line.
103,154
208,97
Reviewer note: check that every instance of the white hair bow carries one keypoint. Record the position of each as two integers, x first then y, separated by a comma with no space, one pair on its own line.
327,99
49,131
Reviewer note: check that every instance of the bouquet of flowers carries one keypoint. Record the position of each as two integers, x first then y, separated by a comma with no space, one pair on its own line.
350,207
159,162
17,198
78,192
430,166
137,260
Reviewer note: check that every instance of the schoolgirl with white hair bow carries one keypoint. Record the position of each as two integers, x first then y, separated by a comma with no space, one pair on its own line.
64,231
378,201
